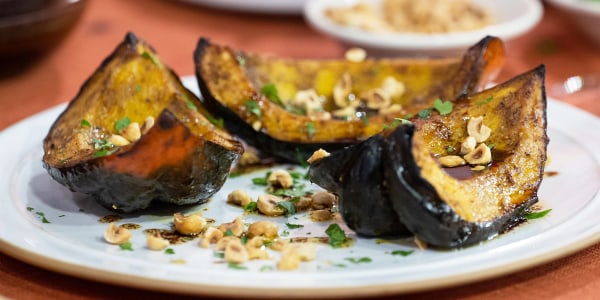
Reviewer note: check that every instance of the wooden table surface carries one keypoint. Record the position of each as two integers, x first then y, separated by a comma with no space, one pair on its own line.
173,28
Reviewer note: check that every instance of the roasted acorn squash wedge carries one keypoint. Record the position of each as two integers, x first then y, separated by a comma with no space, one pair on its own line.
96,148
289,108
443,206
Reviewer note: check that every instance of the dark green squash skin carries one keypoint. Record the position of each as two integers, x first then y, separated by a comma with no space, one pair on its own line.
356,174
469,77
192,181
421,209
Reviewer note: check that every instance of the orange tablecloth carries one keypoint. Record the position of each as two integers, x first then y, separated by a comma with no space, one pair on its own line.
173,29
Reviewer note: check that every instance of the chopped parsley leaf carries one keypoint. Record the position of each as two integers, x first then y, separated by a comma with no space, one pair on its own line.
356,260
537,214
424,114
219,254
486,100
253,108
150,56
337,237
397,122
443,107
289,207
310,129
266,268
251,207
122,123
270,91
228,232
403,252
293,226
236,266
126,246
169,251
29,208
85,123
450,149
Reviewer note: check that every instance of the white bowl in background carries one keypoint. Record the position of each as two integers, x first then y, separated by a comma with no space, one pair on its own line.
511,19
585,14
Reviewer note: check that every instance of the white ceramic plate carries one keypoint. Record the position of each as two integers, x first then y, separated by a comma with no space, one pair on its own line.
72,242
513,18
287,7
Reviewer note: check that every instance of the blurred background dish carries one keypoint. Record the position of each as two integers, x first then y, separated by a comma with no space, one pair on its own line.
285,7
507,19
585,14
31,28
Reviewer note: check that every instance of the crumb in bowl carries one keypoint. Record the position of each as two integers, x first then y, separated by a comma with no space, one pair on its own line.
425,16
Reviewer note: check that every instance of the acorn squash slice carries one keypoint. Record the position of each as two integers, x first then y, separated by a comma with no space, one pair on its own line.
442,206
257,95
93,147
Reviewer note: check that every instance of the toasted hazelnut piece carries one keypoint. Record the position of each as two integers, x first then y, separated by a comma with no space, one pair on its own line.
279,244
305,251
392,109
235,252
236,227
118,140
420,244
132,132
116,235
478,168
345,113
323,200
288,262
249,158
321,215
468,145
303,203
355,54
280,178
317,155
342,92
478,130
268,204
318,115
191,225
377,99
238,197
147,125
451,161
222,243
257,125
155,242
266,229
256,248
392,87
480,156
307,100
211,236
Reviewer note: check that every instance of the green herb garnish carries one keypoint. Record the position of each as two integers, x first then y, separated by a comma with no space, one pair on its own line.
270,91
29,208
219,254
486,100
293,226
236,266
285,233
450,149
151,57
337,237
42,217
126,246
253,108
443,107
491,146
289,207
397,122
228,232
403,252
122,123
356,260
310,129
537,214
266,268
169,251
251,207
85,123
424,114
105,152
